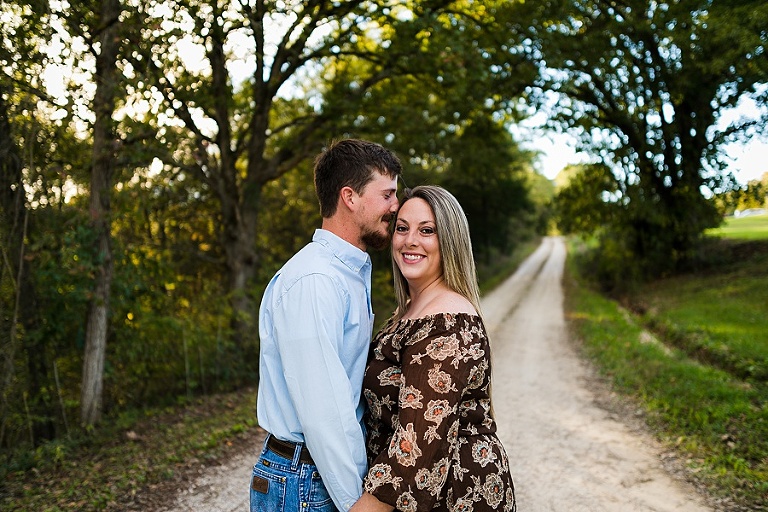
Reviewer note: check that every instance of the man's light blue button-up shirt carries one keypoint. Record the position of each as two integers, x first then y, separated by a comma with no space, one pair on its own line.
315,325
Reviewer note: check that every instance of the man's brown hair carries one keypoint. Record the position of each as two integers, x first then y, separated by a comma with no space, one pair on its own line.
350,163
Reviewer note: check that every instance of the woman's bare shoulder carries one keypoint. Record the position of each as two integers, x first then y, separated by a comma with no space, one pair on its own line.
449,302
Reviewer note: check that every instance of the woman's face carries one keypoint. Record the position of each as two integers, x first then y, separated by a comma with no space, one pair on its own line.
415,247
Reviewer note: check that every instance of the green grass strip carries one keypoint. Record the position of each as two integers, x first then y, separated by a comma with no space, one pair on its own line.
753,227
718,422
719,316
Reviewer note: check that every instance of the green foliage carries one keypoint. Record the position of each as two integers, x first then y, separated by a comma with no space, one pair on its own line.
541,193
60,266
212,177
714,415
636,240
585,202
291,215
637,83
752,195
487,177
445,110
445,139
502,265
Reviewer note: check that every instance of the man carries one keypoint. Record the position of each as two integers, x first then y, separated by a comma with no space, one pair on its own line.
315,325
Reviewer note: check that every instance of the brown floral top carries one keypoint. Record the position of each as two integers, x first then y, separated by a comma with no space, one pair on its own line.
431,437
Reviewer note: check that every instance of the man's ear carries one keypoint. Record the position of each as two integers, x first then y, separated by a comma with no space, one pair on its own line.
349,197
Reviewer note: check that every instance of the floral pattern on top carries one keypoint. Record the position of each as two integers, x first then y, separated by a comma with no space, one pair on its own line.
432,441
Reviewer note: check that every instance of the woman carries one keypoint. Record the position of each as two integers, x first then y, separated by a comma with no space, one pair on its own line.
431,434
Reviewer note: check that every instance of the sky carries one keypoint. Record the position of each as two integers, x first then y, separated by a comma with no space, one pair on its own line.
749,161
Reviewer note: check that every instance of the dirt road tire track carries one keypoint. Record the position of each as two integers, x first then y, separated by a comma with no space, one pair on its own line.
567,453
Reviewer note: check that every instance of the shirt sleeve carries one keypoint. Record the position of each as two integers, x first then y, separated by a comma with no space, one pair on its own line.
414,467
312,314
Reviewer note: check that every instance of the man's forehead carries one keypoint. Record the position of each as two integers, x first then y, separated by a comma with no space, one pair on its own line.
384,181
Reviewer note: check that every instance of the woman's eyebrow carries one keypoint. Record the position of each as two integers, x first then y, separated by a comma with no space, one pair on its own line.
420,223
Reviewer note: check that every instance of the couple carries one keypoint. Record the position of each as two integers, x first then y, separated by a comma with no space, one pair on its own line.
424,437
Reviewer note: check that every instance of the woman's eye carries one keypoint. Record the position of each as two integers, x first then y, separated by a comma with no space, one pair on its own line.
427,231
401,229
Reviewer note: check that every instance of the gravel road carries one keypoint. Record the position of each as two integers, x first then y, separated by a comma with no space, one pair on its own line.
567,451
570,446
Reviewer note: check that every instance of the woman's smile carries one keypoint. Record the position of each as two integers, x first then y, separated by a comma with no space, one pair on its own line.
415,246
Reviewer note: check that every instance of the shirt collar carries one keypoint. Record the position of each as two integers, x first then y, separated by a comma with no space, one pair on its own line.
350,255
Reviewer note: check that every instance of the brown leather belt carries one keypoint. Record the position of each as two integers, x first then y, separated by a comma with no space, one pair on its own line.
287,449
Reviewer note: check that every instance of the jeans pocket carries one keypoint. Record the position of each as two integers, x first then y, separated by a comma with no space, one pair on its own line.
319,498
267,492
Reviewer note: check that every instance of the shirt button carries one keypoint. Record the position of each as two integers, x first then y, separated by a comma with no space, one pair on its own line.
304,504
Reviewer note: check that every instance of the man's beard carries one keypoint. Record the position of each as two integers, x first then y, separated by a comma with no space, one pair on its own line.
375,239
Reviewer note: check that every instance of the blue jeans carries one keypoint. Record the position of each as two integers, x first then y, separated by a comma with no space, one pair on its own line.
287,485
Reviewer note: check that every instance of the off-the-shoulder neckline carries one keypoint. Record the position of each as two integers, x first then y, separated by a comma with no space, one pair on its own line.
443,314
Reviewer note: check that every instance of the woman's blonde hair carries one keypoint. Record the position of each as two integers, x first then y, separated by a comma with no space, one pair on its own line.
456,258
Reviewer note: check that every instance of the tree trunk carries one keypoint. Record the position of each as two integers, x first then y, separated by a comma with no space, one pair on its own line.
101,178
242,263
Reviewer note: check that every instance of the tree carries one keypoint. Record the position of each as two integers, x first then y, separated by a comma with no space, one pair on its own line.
645,84
585,201
449,114
754,194
14,277
223,133
487,175
102,170
20,64
311,67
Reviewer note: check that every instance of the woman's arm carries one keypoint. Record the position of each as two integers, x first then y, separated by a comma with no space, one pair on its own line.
369,503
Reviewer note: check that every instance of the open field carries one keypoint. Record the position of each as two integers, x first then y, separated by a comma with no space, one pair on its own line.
692,351
754,227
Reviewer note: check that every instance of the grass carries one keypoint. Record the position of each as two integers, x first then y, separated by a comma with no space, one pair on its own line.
718,318
754,227
692,350
108,468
